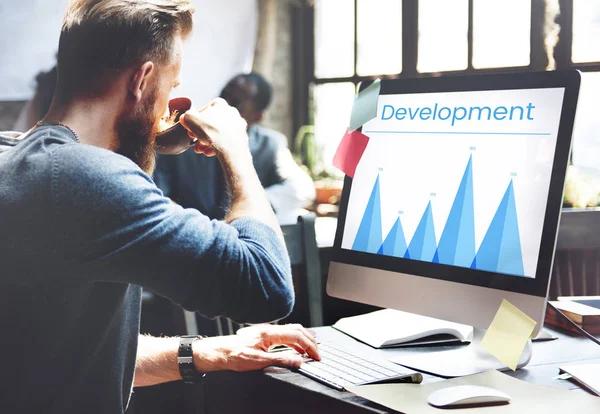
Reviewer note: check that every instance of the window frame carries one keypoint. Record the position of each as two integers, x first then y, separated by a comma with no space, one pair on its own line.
304,51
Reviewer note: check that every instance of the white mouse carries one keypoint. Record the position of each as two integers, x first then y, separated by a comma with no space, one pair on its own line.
466,395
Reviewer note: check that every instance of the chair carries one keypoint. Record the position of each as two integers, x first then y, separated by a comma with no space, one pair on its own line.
302,247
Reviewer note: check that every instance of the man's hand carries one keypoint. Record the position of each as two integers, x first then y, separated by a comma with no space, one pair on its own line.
219,128
249,349
221,131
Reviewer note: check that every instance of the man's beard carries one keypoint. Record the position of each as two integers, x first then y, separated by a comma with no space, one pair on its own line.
137,133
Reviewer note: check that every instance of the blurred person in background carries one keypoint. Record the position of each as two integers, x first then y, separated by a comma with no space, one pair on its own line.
198,182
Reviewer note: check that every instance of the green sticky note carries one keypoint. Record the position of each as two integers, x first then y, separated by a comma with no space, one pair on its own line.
365,105
508,333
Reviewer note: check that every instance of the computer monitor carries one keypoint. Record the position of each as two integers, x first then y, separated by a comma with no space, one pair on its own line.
456,201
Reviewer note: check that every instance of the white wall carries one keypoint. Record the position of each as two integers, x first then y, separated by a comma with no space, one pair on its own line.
28,43
221,46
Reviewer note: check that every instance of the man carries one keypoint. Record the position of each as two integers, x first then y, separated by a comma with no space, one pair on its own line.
287,186
83,227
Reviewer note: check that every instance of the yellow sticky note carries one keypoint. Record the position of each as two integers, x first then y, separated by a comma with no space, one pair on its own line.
508,333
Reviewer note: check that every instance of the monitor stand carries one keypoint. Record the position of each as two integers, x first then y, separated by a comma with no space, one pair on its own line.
458,362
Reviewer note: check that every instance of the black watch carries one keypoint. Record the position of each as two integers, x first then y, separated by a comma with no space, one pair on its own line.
185,359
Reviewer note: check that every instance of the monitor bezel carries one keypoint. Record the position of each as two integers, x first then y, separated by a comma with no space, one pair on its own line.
538,286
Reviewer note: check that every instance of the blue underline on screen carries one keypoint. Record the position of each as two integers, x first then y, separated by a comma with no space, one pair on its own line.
459,133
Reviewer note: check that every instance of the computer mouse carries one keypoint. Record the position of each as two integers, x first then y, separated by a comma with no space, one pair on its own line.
466,395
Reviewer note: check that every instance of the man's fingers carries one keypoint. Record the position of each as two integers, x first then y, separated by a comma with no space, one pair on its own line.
203,146
308,345
306,339
206,151
309,333
253,359
282,359
293,335
210,152
295,338
192,121
206,121
298,348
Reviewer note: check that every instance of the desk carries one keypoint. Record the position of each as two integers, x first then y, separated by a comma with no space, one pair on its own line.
279,390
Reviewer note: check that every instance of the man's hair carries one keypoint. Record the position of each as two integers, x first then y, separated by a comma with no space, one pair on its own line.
264,90
100,38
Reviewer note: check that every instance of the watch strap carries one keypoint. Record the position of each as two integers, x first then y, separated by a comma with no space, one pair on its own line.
185,359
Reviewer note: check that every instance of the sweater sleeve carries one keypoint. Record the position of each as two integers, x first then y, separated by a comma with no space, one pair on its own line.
118,226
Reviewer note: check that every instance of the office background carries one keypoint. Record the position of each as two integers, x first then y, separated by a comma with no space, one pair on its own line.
316,53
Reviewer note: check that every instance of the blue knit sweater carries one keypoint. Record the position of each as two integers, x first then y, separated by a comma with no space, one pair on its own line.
83,229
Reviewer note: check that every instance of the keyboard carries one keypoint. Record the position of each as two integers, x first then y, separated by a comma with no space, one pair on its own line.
340,368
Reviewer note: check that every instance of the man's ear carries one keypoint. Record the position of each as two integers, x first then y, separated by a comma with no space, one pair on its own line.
258,116
139,80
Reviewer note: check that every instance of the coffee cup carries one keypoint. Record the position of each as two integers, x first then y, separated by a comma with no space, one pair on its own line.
175,139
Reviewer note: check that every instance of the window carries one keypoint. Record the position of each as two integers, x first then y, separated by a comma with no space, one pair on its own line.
334,38
357,40
586,151
379,37
585,56
501,33
586,31
333,103
354,40
443,35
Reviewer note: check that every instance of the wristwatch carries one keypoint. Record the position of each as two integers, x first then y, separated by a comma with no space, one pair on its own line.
185,359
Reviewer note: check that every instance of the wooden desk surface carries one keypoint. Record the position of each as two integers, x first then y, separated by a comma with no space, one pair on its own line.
279,390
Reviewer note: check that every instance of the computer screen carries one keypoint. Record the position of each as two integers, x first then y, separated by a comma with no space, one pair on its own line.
461,181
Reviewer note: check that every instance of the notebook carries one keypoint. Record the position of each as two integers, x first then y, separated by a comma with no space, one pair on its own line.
587,375
588,301
392,328
579,311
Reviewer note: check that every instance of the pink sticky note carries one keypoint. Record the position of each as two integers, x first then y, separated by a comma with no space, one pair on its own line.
351,148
